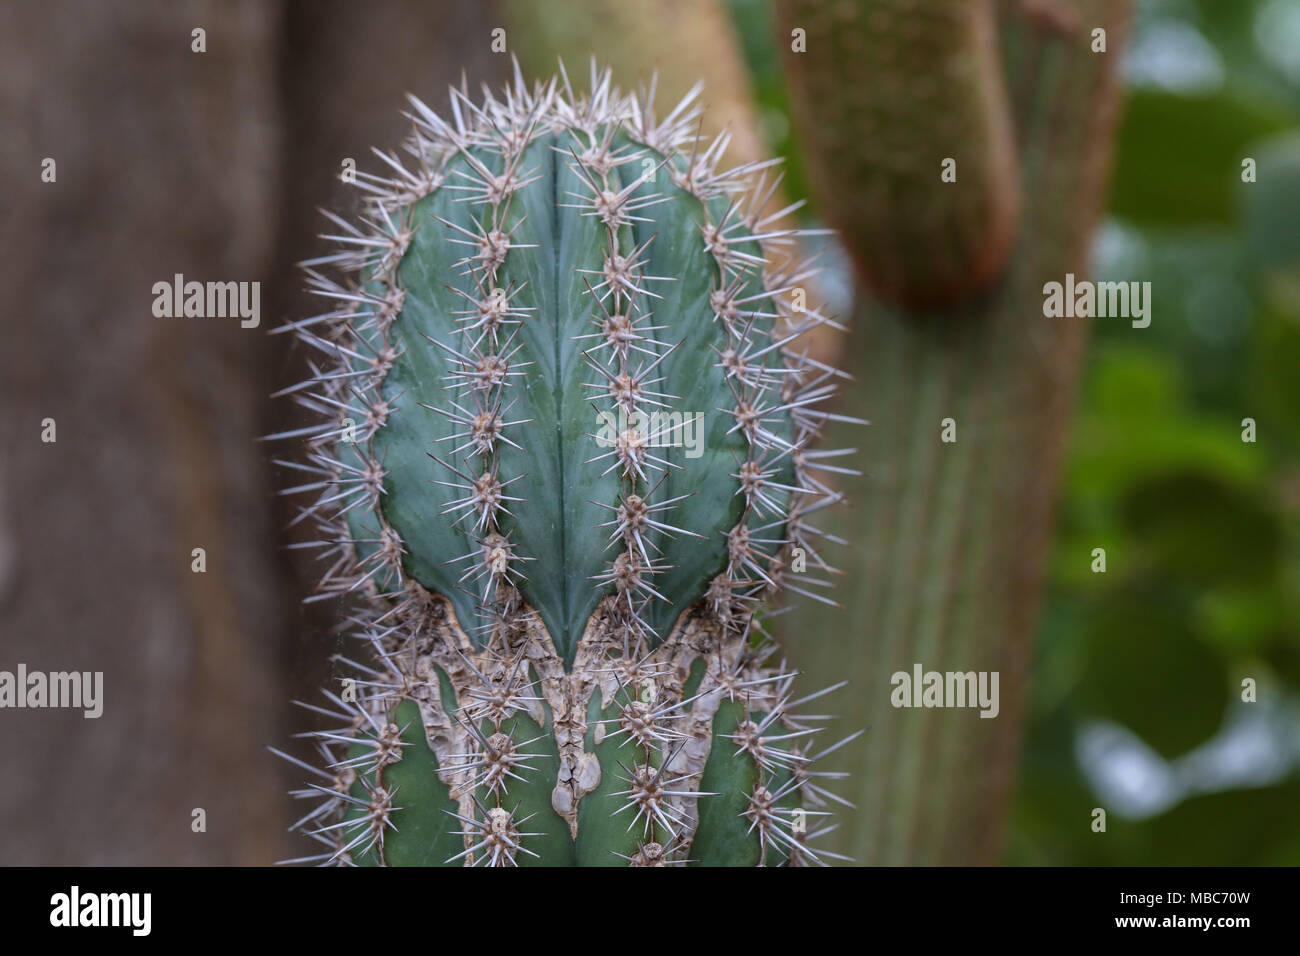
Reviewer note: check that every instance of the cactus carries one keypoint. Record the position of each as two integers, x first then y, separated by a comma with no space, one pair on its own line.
949,554
560,455
893,96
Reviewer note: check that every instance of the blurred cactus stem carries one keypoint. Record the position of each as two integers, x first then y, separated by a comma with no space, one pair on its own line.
969,401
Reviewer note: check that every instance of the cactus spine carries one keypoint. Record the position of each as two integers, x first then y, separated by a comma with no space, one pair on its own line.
560,590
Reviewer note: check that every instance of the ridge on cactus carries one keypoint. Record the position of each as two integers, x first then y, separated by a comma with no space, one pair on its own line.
561,599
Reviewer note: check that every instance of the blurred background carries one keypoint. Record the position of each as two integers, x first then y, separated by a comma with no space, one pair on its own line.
1121,690
1136,702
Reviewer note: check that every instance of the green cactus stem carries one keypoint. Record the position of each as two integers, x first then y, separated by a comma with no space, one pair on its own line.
560,455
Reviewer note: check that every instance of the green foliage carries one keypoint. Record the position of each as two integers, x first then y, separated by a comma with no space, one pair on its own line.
1209,133
1201,528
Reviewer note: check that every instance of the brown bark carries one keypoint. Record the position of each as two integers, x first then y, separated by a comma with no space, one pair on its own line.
165,164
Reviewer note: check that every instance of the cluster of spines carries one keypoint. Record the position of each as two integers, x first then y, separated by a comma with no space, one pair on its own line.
625,360
785,794
353,753
496,836
487,361
348,397
354,808
661,792
652,791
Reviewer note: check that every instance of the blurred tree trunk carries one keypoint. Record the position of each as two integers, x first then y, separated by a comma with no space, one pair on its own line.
165,164
209,165
948,540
